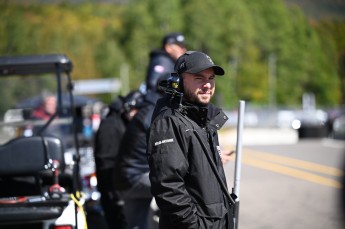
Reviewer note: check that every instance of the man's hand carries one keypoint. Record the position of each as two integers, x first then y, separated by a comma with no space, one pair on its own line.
226,156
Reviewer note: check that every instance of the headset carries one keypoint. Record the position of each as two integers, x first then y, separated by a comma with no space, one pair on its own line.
174,82
174,87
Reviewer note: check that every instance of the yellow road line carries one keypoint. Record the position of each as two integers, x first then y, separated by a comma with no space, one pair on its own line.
291,172
296,163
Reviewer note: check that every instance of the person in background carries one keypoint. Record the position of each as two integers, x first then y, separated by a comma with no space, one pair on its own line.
46,109
186,168
41,115
162,60
107,141
131,170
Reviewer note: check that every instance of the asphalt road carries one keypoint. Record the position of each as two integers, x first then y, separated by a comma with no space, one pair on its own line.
288,183
285,183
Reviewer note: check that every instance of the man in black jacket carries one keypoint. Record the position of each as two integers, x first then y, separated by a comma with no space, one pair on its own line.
186,170
107,142
131,170
162,60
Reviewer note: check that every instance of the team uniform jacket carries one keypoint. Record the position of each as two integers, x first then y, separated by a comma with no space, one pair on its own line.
182,181
107,142
160,67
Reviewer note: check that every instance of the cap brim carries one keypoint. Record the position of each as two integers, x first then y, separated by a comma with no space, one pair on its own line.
182,44
219,71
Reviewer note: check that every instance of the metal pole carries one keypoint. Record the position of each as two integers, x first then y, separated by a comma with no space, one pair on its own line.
238,161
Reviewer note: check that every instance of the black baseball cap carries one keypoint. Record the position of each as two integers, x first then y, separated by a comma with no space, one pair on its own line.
174,38
194,62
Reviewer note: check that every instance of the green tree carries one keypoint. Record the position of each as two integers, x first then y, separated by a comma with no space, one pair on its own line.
333,32
145,23
241,36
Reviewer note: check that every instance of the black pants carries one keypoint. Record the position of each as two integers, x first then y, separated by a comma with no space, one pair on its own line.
113,211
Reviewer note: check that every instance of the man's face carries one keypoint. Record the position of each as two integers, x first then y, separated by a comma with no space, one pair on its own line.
175,50
199,88
50,104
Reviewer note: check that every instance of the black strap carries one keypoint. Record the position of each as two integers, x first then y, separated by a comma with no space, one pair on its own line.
214,168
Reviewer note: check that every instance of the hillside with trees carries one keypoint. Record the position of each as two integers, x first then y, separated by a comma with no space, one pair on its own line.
272,54
321,9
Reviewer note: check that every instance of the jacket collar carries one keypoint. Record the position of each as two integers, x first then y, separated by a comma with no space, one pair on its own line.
205,116
198,114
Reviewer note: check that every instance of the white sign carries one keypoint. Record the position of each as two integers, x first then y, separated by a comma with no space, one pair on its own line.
96,86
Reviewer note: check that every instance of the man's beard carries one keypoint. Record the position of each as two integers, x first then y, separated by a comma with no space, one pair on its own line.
193,98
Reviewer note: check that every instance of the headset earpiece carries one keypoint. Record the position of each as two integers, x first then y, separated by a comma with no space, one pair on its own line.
175,87
174,81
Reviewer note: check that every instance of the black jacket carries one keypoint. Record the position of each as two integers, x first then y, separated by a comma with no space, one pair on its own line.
107,143
182,181
131,163
160,67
